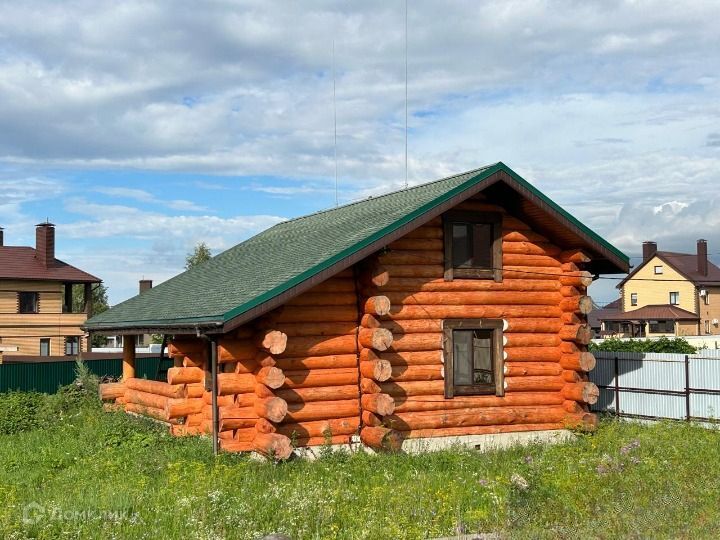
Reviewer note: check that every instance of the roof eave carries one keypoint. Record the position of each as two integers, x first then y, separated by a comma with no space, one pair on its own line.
156,327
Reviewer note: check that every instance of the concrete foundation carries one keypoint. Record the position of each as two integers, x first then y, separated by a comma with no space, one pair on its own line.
482,443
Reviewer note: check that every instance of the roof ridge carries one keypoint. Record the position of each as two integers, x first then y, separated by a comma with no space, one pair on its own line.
371,197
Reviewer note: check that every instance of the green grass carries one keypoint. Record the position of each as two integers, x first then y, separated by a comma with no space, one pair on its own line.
627,480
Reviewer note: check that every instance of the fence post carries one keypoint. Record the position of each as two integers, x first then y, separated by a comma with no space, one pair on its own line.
617,386
687,388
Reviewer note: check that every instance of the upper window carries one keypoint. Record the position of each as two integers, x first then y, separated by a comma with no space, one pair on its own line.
473,245
45,347
28,302
674,298
473,357
633,299
658,269
705,294
72,345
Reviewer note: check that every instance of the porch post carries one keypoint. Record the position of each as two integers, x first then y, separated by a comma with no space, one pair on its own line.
128,371
87,299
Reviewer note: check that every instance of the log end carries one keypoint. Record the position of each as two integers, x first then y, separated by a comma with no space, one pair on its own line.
273,445
381,438
382,339
378,305
272,377
273,341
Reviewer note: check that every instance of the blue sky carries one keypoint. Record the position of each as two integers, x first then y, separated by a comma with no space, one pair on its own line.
142,128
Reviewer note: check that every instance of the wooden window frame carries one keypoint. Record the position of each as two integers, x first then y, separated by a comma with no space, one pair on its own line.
49,347
634,301
677,298
496,325
77,338
19,303
485,218
658,270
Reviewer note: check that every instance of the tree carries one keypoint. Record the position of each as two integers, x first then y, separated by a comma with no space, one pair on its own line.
99,299
99,304
200,254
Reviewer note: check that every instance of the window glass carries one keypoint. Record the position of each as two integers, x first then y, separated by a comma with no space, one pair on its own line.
658,270
462,362
28,302
482,245
674,298
461,245
45,347
482,358
473,358
633,299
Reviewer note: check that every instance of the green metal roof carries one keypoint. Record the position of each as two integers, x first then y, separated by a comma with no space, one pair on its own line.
291,252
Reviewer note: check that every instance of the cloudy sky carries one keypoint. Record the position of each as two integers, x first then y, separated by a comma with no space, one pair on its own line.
141,128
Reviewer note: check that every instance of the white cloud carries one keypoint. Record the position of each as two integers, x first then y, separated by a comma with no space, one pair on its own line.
611,108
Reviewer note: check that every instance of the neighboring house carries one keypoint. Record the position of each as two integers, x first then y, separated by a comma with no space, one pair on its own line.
672,294
598,315
36,301
444,312
143,340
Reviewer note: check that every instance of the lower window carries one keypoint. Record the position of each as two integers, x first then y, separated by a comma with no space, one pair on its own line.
72,345
45,347
473,357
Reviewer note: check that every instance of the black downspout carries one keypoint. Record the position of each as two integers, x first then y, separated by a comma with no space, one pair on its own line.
214,394
211,386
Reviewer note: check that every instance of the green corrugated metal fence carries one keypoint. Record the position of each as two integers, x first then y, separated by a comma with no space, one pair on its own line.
47,377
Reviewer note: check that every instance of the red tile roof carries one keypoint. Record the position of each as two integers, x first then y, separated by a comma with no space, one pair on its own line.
652,313
22,263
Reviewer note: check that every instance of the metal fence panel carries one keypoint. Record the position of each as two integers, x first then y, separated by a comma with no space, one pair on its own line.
47,377
658,385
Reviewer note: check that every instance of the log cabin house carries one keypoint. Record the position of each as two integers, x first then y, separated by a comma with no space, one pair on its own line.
442,312
37,315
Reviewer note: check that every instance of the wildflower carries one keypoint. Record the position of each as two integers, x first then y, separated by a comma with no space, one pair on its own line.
635,460
601,469
519,482
483,482
528,459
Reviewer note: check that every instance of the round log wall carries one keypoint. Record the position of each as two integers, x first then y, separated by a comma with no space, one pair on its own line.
362,353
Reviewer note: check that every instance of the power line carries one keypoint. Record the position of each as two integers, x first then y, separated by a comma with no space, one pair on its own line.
335,123
406,94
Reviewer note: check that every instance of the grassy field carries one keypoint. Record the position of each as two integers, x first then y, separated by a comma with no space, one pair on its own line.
90,474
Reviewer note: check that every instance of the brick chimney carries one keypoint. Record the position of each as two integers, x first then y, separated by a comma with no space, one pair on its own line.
45,243
702,258
145,285
649,249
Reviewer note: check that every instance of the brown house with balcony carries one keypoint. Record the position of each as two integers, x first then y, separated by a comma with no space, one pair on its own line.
37,316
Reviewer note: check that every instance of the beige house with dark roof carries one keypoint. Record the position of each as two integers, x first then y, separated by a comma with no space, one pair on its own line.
37,316
669,293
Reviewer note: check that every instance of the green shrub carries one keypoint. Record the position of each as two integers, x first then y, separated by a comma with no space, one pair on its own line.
19,411
662,345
